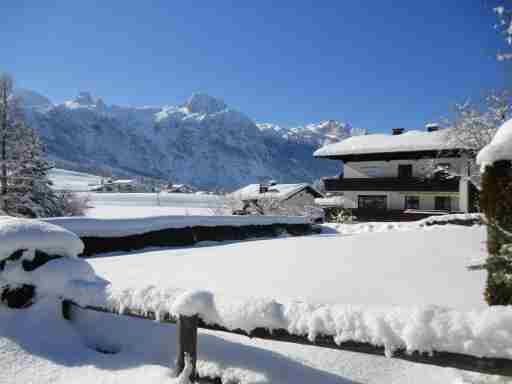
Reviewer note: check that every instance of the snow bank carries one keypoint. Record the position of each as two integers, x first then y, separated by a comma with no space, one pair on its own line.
91,227
500,148
353,229
483,333
17,234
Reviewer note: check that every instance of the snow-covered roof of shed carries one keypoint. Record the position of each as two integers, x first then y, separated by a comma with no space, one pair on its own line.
500,148
410,141
276,191
17,234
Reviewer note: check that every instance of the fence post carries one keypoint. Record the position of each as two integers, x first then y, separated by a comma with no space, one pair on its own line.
66,309
187,344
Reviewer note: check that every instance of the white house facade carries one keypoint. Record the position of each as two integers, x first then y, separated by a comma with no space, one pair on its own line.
405,171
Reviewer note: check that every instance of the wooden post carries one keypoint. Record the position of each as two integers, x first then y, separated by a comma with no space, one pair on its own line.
66,309
187,344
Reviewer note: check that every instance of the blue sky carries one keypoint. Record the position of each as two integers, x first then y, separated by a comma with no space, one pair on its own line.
375,64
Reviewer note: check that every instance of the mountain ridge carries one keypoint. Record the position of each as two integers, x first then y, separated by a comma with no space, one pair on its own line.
202,142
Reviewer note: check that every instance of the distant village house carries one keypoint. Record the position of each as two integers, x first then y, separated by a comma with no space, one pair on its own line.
273,198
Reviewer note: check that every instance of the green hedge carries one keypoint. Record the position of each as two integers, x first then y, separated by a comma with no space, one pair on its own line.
496,204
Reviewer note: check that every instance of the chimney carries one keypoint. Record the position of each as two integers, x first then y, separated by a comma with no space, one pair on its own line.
432,127
397,131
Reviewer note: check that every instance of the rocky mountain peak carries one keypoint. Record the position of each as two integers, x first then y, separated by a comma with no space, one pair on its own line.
84,98
203,103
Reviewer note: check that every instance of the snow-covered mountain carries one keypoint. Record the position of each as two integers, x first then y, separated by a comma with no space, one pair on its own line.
323,133
203,142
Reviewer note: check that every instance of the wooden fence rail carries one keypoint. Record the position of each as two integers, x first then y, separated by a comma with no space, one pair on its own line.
187,344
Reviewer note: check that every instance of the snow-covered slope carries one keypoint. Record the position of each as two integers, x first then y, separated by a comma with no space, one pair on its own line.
203,142
317,135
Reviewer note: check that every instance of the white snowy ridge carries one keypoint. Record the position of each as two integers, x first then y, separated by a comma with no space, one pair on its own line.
482,333
500,148
85,226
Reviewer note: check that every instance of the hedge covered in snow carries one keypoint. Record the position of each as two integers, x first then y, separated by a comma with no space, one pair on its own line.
38,258
91,227
112,235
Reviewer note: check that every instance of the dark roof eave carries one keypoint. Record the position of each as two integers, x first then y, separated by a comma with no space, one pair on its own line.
405,155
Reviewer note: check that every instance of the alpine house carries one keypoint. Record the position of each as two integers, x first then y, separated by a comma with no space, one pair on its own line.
415,172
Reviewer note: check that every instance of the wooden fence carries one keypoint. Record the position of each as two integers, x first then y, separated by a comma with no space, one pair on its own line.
187,327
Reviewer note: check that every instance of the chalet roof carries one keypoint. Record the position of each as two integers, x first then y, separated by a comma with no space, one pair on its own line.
276,191
407,142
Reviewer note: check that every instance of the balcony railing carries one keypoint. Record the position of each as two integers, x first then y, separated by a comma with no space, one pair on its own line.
411,184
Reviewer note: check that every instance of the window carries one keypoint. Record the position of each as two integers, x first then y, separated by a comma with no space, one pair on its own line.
373,171
372,202
404,171
443,203
412,202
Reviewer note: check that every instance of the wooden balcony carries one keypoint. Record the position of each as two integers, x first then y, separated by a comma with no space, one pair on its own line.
335,184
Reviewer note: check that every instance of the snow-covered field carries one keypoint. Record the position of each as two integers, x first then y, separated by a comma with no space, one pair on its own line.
373,270
133,205
392,268
64,179
137,205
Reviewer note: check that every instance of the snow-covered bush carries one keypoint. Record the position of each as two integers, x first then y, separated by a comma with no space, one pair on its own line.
40,259
340,216
496,203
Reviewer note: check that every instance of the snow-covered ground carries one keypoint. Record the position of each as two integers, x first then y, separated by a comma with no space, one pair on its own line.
423,266
417,268
64,179
137,205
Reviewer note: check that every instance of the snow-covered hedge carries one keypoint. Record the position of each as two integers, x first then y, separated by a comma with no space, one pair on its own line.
482,333
40,258
17,234
90,227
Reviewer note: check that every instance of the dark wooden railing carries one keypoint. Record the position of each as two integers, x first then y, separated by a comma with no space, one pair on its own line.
411,184
187,344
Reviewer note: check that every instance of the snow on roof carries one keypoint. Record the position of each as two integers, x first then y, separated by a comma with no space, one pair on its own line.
410,141
17,234
500,148
276,191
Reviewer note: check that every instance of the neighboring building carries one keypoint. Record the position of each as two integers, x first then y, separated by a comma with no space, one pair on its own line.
121,185
393,172
180,188
273,198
